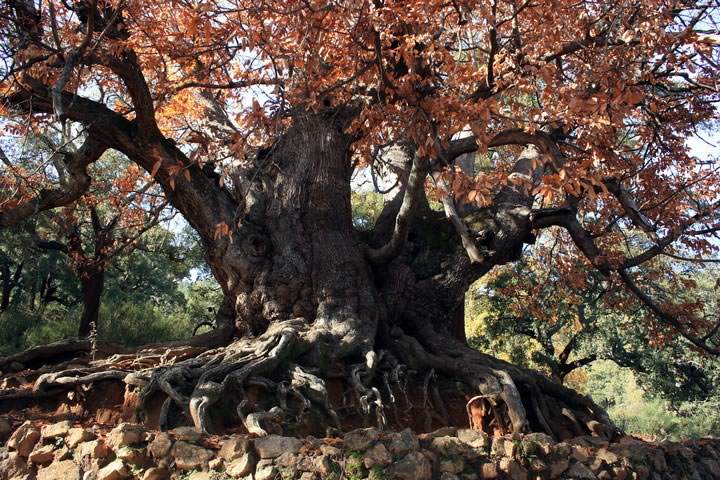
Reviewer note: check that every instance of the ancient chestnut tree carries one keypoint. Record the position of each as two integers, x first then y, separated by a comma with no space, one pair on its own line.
252,116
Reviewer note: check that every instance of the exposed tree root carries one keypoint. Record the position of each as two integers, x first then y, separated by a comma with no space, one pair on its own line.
37,355
254,422
505,390
193,383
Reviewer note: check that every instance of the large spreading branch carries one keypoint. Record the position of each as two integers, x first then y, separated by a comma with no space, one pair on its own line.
194,195
411,197
76,164
583,239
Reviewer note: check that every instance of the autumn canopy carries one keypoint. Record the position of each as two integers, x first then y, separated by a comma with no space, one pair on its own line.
251,118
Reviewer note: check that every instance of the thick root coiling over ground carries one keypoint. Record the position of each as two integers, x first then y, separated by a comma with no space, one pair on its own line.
380,386
510,399
196,384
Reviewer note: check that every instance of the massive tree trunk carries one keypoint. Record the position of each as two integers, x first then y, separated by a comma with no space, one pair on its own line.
92,283
308,262
309,307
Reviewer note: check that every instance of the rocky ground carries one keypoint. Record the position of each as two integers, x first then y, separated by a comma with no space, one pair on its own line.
62,451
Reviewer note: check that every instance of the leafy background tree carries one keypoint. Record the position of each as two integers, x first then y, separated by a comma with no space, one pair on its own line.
157,292
118,259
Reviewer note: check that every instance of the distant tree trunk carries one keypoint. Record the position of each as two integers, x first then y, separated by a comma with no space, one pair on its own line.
91,285
44,293
33,294
6,288
9,283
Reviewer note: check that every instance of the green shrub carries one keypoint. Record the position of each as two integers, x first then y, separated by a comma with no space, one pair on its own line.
21,328
14,322
51,330
638,412
135,324
122,322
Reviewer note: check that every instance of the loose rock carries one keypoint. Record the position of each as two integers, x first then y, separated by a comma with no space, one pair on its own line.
216,464
513,469
160,446
404,442
324,465
537,444
115,470
200,476
448,476
65,470
413,466
190,457
330,450
241,466
272,446
156,473
62,453
133,456
361,438
377,455
23,439
78,435
59,429
452,464
94,449
448,446
558,467
234,447
474,438
579,471
265,470
12,465
42,455
126,434
489,471
186,434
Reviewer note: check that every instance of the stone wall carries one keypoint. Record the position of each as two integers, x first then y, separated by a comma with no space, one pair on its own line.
62,451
